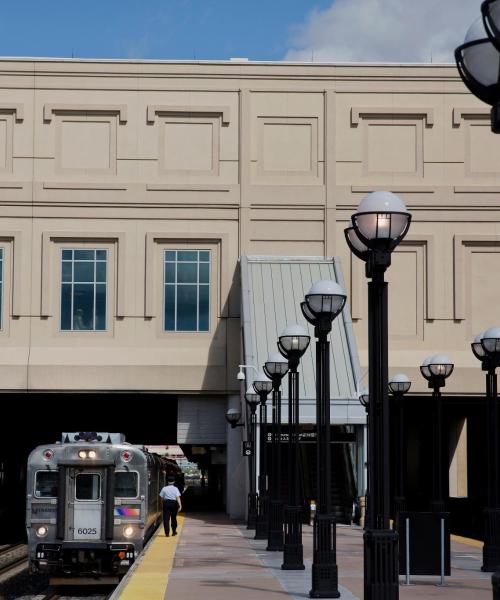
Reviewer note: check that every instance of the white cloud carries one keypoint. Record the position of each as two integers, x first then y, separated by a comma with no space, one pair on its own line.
384,30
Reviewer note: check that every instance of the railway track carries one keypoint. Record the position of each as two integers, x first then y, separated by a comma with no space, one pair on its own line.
13,566
73,594
6,548
13,559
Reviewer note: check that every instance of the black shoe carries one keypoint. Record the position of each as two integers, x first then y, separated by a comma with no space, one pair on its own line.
168,534
174,533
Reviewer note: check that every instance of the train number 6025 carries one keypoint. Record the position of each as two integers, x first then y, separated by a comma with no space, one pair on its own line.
87,531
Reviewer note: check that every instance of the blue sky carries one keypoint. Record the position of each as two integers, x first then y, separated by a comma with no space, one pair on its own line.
321,30
153,29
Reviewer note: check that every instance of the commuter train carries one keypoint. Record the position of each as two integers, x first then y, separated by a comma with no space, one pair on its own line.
92,504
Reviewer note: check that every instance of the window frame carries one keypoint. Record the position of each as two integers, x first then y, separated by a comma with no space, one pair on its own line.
99,498
137,485
35,494
198,285
109,277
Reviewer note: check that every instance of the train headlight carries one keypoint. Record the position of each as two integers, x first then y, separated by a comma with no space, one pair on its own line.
128,531
82,454
42,531
92,454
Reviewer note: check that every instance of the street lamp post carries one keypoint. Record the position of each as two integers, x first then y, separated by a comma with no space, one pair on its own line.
486,347
252,400
323,303
399,385
436,369
262,385
292,344
478,62
275,368
378,226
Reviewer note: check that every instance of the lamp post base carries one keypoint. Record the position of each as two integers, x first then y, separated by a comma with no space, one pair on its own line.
252,511
275,533
325,580
381,564
491,548
293,554
262,522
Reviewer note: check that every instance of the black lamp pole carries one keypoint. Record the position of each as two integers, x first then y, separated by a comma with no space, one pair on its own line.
323,303
487,350
275,368
436,369
262,385
398,386
292,344
378,226
478,60
252,400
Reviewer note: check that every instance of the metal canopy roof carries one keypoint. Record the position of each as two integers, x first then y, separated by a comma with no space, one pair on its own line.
272,289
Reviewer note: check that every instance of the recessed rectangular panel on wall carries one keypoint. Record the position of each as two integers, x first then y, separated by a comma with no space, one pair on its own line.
189,147
5,142
393,147
288,148
85,144
201,420
482,156
406,281
482,286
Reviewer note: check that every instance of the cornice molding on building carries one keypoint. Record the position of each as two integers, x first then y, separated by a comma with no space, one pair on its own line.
165,109
80,185
120,109
230,69
391,111
459,114
16,109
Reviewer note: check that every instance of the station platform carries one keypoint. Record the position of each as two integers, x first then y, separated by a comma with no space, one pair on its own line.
215,558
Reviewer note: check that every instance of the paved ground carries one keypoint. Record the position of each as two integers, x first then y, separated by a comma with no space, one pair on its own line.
218,559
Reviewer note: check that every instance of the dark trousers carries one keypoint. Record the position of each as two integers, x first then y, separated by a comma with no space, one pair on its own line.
170,508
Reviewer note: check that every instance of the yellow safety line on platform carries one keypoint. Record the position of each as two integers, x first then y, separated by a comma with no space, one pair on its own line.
467,541
149,582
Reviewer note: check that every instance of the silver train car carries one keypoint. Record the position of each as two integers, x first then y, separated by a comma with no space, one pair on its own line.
92,504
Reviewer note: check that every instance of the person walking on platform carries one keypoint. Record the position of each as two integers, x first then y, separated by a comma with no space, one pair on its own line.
171,498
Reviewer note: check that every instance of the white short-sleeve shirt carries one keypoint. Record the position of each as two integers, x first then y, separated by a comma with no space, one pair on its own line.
170,492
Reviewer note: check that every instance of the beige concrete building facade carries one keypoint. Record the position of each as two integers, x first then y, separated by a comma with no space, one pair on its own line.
235,158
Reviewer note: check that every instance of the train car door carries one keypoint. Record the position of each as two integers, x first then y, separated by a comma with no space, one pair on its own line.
86,504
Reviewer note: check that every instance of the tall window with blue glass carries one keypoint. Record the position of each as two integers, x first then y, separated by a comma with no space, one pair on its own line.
187,290
83,289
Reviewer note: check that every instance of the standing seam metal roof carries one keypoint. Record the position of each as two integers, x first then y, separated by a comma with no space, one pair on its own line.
272,289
